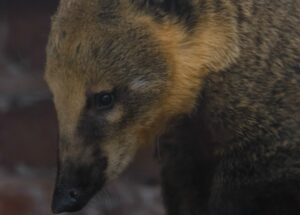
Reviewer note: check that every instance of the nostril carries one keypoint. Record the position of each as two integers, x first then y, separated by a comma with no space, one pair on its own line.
67,200
74,194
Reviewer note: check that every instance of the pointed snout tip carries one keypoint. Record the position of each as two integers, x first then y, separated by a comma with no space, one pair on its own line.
67,201
59,206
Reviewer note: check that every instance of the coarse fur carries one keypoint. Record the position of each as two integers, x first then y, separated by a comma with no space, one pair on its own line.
219,80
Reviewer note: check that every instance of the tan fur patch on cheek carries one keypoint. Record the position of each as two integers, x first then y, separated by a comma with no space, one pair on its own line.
119,152
115,115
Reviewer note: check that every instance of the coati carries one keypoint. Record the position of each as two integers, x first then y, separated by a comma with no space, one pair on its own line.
218,80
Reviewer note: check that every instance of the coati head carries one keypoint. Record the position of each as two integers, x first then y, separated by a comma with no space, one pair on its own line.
119,71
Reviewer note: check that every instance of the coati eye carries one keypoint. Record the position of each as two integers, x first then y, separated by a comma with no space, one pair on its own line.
104,101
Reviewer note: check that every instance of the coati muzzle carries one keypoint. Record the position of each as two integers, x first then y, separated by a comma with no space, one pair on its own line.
76,185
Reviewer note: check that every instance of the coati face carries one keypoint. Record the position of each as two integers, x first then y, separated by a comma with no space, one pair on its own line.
117,75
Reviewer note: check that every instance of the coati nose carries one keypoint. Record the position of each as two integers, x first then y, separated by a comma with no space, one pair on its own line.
66,200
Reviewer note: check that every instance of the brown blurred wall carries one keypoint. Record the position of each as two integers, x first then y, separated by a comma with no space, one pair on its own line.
24,99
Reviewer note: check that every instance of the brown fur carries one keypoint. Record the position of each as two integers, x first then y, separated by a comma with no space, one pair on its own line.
222,72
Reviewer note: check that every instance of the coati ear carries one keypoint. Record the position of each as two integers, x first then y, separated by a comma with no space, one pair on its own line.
175,7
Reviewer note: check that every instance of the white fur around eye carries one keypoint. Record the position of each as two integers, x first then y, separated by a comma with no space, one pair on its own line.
138,84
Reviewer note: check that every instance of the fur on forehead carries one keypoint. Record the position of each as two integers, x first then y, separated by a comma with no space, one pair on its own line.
82,11
103,8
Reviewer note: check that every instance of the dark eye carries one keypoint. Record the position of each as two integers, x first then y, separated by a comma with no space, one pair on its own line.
104,101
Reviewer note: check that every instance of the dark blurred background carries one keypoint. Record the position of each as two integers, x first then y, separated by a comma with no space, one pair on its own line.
28,127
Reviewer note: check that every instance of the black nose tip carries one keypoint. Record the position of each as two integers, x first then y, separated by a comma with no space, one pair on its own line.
66,201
